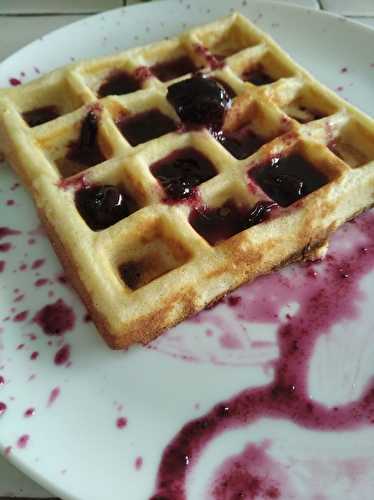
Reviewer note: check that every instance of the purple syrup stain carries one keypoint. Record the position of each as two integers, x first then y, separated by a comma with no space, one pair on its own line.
121,422
41,282
323,302
30,412
20,346
22,267
37,263
10,203
23,441
5,247
233,300
14,82
7,231
2,265
138,464
2,380
34,355
250,474
3,408
62,356
53,395
21,316
56,318
230,341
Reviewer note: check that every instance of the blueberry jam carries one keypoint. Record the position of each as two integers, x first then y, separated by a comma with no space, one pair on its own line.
62,356
55,319
175,68
229,90
200,101
103,206
86,150
324,301
181,171
218,224
252,474
143,127
240,143
40,115
287,179
257,75
118,83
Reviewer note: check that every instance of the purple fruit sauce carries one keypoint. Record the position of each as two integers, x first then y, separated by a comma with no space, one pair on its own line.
54,394
182,171
23,441
329,295
55,319
118,83
287,179
143,127
169,70
62,356
121,422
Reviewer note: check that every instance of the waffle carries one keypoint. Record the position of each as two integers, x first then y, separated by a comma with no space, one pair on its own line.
153,215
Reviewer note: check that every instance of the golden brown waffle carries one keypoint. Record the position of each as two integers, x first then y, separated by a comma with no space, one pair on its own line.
169,258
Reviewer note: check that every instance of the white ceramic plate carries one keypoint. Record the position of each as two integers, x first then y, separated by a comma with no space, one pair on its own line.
73,445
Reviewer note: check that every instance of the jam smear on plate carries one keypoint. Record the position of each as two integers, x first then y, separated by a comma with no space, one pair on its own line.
324,301
56,318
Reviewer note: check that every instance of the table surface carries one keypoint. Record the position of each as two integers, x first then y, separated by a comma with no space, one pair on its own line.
22,21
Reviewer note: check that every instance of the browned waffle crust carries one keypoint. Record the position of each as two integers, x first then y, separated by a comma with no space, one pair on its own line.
179,269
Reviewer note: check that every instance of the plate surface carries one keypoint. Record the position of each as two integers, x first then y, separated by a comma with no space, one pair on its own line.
96,425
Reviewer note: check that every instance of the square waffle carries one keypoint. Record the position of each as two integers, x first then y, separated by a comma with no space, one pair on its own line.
168,175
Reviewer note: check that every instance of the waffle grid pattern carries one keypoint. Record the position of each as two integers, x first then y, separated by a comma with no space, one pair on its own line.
182,271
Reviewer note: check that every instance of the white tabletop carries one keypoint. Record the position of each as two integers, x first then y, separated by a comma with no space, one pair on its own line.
21,21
